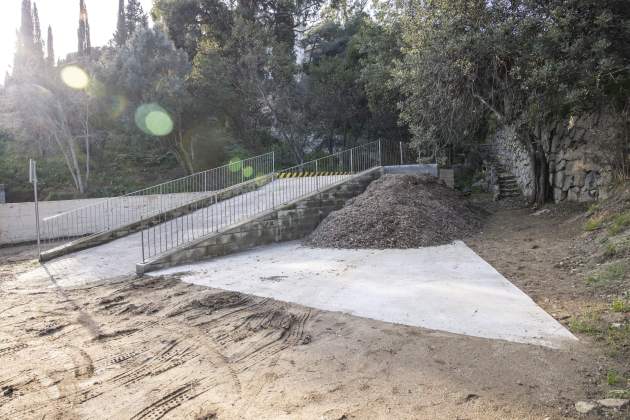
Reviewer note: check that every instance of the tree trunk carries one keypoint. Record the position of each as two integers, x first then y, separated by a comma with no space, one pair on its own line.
542,187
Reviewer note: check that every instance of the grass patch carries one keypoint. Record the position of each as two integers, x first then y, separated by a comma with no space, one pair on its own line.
612,272
620,305
610,252
613,378
618,339
594,208
619,393
619,223
593,223
587,324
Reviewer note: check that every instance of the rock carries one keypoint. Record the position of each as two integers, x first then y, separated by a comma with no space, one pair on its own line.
617,403
541,212
584,407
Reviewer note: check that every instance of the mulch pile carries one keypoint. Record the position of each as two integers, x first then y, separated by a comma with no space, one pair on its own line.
399,211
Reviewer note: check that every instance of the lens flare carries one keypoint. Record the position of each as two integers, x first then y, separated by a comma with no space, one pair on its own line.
248,171
75,77
235,164
154,120
159,123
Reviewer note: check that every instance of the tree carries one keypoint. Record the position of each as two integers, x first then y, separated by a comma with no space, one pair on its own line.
135,17
50,56
24,59
38,42
44,116
85,44
470,65
120,36
152,73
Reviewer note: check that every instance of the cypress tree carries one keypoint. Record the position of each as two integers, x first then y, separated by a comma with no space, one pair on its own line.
120,36
135,17
84,30
50,57
26,28
24,51
38,42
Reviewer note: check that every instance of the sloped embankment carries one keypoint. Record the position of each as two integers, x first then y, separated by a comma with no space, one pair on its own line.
399,211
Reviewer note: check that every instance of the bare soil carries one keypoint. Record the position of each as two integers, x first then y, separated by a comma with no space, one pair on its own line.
133,348
399,211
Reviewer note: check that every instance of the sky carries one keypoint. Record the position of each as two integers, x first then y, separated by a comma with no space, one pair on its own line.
63,15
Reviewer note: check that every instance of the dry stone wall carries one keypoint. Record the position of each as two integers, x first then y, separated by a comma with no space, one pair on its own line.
579,167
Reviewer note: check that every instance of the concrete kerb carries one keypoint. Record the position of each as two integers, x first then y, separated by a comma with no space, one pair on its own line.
100,238
290,221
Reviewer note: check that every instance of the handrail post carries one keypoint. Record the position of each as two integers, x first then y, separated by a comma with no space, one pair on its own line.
317,174
351,162
380,156
142,240
401,153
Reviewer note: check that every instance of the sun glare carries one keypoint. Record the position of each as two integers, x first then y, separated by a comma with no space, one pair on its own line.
75,77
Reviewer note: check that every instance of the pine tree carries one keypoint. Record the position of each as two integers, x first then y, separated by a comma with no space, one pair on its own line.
120,36
84,30
38,42
135,17
50,57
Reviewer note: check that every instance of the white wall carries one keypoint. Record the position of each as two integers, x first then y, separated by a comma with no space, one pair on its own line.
17,220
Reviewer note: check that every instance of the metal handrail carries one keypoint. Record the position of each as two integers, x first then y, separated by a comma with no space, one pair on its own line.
116,212
286,185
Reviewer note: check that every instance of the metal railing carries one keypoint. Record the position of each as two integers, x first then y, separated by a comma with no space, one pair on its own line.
285,186
398,153
117,212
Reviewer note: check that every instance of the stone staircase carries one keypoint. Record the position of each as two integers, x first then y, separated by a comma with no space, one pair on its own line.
507,183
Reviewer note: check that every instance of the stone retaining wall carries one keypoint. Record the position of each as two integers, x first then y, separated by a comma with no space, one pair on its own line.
579,158
289,222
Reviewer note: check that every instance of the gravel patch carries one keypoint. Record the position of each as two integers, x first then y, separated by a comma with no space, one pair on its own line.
399,211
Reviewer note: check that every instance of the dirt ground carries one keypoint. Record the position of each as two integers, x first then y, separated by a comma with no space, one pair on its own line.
134,348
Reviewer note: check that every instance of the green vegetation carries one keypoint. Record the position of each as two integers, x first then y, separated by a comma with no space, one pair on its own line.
534,65
593,223
214,80
586,324
619,393
610,252
620,305
613,378
610,273
619,223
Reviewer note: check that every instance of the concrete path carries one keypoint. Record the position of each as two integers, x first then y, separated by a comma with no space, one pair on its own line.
120,256
448,288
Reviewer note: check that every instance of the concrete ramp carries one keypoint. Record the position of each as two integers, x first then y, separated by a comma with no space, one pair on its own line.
293,220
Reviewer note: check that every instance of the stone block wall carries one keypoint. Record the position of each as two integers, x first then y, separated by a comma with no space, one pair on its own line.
289,222
579,167
515,157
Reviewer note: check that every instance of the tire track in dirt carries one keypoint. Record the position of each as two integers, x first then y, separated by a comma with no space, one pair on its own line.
169,357
170,401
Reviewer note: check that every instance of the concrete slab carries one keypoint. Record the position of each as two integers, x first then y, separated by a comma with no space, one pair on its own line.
448,288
